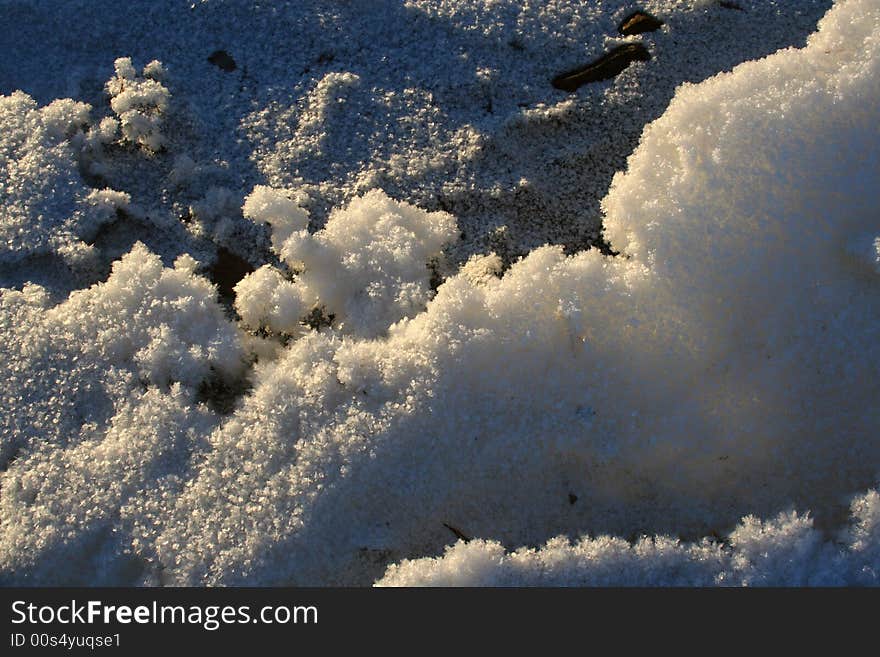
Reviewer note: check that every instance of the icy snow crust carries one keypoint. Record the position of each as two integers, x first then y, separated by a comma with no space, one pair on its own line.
723,365
447,105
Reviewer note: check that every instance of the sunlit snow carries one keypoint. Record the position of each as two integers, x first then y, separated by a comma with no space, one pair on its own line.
427,349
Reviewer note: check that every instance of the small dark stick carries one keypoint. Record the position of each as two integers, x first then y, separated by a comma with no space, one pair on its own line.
458,533
639,22
606,67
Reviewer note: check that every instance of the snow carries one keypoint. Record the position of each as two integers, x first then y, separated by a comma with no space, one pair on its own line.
45,206
784,551
368,267
453,109
139,102
401,371
769,292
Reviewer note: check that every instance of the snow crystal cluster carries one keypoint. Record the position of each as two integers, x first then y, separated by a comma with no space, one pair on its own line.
151,325
139,101
367,268
47,210
722,368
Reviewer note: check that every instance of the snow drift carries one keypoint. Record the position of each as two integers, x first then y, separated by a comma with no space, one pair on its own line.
724,364
750,205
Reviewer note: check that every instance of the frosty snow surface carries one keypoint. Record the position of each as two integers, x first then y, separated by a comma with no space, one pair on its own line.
424,347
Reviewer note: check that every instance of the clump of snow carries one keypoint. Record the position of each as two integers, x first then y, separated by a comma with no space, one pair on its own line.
864,538
66,367
139,101
706,374
36,158
784,551
108,201
213,214
93,151
368,267
265,299
481,269
46,208
276,208
166,322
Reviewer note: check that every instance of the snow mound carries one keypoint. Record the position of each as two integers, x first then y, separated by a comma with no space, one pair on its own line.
67,369
665,394
749,202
